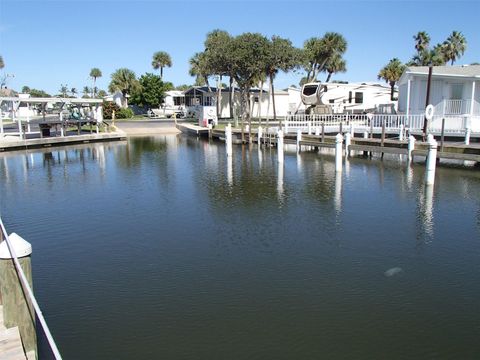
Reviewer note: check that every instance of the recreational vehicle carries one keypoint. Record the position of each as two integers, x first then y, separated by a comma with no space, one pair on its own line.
353,98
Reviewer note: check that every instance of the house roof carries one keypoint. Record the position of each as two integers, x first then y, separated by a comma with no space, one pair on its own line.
204,89
469,71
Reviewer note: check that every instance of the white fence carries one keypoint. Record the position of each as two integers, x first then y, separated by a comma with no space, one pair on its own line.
454,124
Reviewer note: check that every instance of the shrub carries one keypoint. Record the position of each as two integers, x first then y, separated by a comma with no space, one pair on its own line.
126,113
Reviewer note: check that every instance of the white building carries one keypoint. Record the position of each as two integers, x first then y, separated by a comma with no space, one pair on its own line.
453,90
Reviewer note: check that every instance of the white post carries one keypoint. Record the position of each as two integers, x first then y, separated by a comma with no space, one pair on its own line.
338,152
348,140
407,110
247,128
280,146
285,124
299,138
400,134
1,122
19,122
309,127
431,160
259,135
317,131
467,135
228,139
365,134
472,102
352,130
61,124
411,146
28,121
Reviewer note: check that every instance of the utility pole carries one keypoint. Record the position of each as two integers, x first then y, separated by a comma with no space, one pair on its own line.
427,100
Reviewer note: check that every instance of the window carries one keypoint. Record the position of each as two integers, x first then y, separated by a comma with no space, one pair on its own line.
255,99
457,91
178,100
310,90
331,101
359,98
349,97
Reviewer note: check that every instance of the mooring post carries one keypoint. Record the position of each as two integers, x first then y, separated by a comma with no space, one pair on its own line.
467,135
341,127
338,152
259,135
323,132
365,134
299,138
348,140
280,146
400,133
309,127
411,147
352,130
317,131
228,139
431,160
17,307
442,138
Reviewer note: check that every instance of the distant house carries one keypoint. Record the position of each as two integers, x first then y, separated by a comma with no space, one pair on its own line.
260,102
453,90
117,98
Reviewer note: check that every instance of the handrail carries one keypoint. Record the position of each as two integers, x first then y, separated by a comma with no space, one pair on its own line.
29,291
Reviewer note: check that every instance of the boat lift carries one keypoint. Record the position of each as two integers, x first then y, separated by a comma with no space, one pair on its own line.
78,115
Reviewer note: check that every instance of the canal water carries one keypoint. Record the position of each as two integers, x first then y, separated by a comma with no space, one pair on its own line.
161,248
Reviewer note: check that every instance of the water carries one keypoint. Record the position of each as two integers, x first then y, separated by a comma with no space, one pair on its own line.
161,248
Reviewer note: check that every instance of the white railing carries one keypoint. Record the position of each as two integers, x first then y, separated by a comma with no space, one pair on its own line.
28,291
309,123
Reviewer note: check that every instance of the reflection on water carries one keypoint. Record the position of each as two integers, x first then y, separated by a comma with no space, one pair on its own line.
208,256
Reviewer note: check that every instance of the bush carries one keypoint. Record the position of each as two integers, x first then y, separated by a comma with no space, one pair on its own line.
126,113
108,107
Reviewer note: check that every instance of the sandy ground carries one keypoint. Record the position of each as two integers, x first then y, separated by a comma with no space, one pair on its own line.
147,127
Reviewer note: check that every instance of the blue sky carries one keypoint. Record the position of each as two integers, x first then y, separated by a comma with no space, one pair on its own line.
49,43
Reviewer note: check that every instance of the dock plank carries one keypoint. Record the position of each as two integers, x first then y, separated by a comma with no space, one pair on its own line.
11,345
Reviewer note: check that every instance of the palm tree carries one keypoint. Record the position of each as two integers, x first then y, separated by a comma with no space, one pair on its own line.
336,64
422,41
94,74
2,63
391,74
318,51
86,92
199,68
125,81
160,60
63,90
454,46
73,91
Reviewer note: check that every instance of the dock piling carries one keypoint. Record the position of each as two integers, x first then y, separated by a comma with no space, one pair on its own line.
338,152
467,135
411,147
17,307
348,141
259,135
228,139
299,138
431,160
280,146
401,133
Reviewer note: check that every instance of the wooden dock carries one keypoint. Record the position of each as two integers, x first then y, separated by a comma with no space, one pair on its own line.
11,347
192,129
12,143
381,146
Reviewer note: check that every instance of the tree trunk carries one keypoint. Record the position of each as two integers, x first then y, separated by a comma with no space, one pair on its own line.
259,112
230,100
392,89
328,77
219,98
273,100
244,109
161,73
249,118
